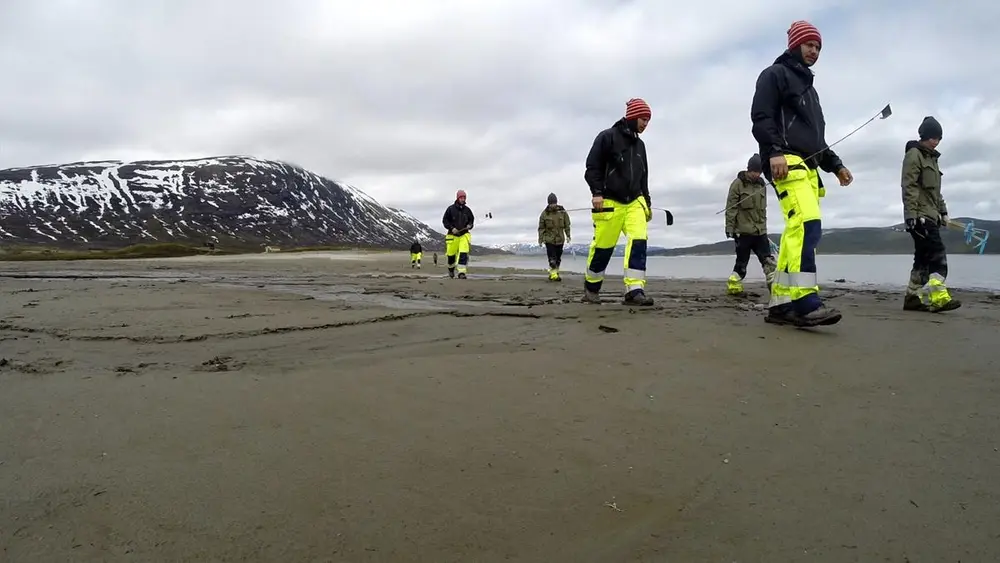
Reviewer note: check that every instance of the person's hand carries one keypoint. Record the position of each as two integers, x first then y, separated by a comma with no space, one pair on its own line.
597,202
454,231
779,167
915,225
569,240
845,177
944,220
729,234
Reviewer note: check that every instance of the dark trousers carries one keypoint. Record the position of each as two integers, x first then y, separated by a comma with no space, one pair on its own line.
757,244
929,255
554,253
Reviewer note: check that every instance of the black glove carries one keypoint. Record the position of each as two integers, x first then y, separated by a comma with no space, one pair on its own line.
915,225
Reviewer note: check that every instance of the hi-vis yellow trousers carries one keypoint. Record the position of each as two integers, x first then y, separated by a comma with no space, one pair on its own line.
415,258
609,223
457,249
795,282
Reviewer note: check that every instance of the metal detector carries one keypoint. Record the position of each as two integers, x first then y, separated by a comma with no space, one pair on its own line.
886,112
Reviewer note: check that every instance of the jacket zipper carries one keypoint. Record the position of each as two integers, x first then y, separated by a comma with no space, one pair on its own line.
631,161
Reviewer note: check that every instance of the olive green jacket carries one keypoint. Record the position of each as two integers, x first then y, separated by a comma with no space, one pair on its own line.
746,206
553,223
921,182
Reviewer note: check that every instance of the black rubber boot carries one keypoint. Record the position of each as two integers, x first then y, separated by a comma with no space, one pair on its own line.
951,305
823,316
911,302
781,316
637,297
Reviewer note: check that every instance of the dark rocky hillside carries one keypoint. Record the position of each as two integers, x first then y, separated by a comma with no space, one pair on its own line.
229,201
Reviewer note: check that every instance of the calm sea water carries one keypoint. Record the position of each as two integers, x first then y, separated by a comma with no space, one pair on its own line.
889,271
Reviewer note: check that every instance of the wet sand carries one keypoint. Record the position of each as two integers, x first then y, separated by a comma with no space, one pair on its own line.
295,408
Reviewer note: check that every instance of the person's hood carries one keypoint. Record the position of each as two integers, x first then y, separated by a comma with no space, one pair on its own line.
630,127
742,175
916,144
793,60
554,208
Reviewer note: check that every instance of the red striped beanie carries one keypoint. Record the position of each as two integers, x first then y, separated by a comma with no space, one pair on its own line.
636,108
802,32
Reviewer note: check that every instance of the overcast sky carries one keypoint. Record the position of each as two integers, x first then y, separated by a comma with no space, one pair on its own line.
412,100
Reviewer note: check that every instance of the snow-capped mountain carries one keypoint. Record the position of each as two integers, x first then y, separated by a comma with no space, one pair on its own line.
233,200
532,249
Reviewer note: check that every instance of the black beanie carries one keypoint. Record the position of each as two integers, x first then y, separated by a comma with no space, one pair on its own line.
552,199
929,129
755,165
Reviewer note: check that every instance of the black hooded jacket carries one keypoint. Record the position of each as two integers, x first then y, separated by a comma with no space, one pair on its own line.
617,167
787,116
458,216
416,248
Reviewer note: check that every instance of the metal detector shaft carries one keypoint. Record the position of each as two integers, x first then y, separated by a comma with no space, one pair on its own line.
884,113
669,215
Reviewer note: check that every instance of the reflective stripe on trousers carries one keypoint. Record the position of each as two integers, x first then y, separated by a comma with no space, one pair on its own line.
793,286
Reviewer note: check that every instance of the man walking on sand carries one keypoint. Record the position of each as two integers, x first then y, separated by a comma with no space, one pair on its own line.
458,220
618,176
553,233
416,253
925,212
789,127
746,224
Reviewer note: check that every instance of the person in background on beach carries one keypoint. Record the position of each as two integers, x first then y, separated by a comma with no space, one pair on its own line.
788,125
553,233
416,253
458,220
746,224
435,258
618,176
925,213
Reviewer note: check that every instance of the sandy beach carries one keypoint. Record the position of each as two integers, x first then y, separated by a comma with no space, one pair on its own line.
338,408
